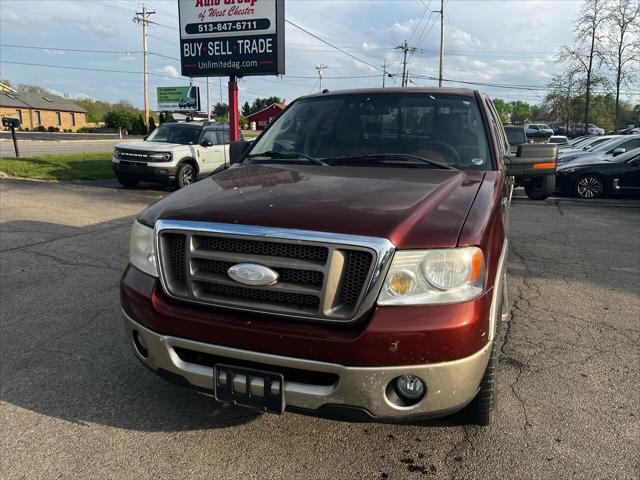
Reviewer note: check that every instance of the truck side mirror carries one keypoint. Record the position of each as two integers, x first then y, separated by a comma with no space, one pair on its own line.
237,151
206,143
533,160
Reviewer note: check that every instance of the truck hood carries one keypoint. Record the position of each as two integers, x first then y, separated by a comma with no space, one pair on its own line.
414,208
145,146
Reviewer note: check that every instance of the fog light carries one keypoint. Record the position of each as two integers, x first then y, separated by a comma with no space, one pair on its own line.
410,387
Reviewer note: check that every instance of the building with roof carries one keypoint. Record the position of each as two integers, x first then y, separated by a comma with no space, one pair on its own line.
41,111
265,116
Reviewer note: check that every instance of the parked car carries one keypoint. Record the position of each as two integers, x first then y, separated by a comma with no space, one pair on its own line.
536,187
350,262
538,130
559,140
607,175
173,154
591,129
613,146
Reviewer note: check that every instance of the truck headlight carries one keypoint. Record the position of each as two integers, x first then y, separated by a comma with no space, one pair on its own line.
447,275
142,249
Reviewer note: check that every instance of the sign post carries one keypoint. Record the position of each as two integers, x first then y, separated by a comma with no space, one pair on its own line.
231,38
12,123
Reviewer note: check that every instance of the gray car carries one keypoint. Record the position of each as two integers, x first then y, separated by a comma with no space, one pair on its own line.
614,146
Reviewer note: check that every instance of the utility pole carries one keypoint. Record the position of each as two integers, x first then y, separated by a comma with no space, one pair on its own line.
143,18
320,68
405,50
384,72
208,101
441,42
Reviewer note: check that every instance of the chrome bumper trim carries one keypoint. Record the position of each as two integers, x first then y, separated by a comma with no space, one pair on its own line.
449,384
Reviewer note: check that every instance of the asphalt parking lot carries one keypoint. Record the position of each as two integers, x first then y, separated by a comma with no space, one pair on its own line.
75,404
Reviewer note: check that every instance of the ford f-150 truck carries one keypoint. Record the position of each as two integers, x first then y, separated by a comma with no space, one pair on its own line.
349,263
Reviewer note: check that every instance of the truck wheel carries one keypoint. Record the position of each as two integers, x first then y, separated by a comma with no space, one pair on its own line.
540,188
480,410
589,186
127,181
185,176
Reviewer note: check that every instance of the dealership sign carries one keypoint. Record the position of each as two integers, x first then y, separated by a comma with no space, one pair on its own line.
231,37
178,99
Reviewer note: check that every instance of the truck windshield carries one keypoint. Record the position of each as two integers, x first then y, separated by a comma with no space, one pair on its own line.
183,134
362,128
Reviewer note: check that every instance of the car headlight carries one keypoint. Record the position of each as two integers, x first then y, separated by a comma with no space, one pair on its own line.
142,249
447,275
160,156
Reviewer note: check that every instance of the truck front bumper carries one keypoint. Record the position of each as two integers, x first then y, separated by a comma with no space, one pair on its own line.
450,385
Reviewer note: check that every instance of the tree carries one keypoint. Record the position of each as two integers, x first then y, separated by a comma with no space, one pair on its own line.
220,110
562,88
520,111
137,126
587,51
246,109
503,109
119,119
166,117
262,103
624,44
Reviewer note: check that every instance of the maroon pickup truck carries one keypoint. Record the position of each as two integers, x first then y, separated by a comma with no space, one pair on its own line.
349,263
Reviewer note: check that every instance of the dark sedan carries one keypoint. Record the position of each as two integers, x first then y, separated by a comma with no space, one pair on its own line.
590,179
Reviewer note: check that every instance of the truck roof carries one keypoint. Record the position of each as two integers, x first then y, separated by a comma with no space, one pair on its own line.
467,92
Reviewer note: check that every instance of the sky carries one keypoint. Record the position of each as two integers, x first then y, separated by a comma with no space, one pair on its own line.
504,42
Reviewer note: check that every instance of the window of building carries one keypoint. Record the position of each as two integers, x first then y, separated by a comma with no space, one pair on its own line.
19,115
38,118
73,119
58,118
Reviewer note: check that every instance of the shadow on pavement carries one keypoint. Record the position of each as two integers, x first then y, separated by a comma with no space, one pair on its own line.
62,346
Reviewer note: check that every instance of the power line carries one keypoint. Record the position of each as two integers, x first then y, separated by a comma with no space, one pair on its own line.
331,45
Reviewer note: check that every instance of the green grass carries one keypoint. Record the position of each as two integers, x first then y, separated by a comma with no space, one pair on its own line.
66,166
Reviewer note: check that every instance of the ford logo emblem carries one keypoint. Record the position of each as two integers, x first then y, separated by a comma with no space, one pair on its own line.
252,274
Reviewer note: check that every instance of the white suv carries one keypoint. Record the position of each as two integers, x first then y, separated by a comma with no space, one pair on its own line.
174,154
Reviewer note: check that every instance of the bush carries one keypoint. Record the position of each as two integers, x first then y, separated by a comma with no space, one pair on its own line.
20,129
53,129
40,128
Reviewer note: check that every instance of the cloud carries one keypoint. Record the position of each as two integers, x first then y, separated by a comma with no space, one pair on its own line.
10,17
98,30
127,57
170,71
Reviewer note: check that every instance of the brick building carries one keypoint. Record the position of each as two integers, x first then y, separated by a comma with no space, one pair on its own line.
266,115
35,109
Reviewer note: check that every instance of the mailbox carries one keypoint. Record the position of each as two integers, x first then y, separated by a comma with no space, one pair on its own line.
10,122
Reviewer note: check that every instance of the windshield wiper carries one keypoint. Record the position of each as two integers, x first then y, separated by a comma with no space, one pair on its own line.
293,155
391,156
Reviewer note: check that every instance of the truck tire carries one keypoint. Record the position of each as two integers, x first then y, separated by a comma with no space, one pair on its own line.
127,181
185,175
480,410
540,188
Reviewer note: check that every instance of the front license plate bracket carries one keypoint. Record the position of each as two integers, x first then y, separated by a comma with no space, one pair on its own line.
249,387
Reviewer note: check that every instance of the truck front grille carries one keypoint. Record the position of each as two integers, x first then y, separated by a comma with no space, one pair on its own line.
318,280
